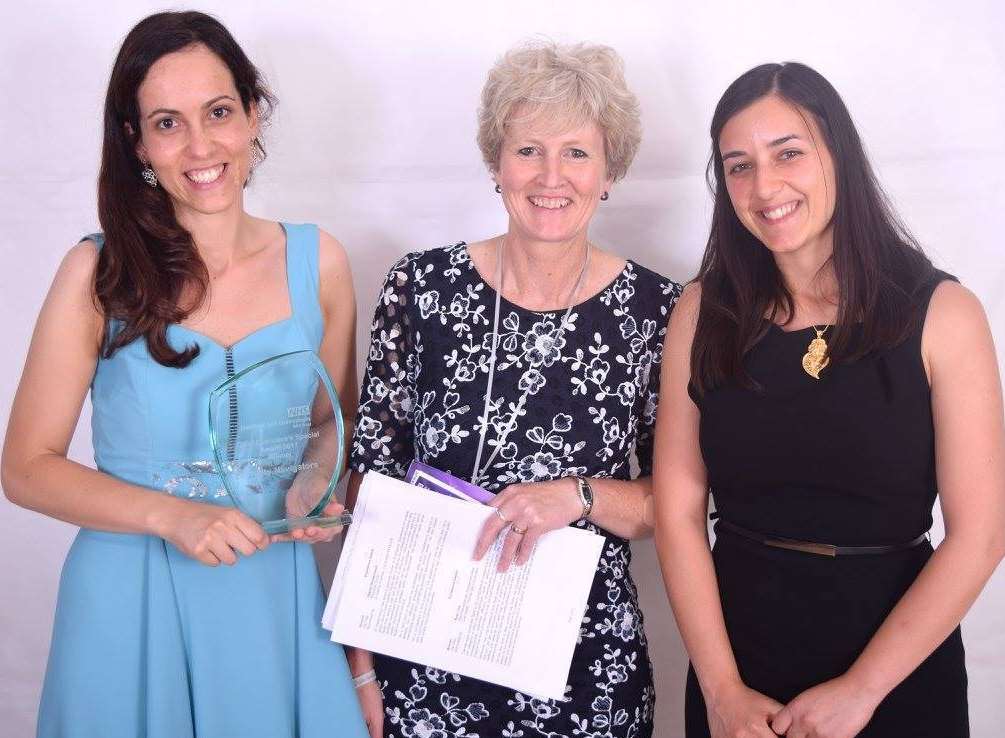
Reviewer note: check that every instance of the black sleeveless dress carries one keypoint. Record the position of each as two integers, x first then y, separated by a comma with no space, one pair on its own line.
848,459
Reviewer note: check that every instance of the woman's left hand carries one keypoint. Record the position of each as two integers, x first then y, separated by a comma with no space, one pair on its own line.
838,708
315,533
523,513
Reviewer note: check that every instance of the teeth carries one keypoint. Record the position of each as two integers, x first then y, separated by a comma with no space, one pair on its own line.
551,203
205,176
779,212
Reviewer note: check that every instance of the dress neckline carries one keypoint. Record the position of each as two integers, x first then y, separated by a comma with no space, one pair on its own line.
628,268
262,328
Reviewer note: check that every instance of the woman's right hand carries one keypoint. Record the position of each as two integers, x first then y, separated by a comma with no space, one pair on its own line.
371,702
213,534
740,712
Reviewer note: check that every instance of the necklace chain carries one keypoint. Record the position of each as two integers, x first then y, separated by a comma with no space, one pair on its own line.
478,470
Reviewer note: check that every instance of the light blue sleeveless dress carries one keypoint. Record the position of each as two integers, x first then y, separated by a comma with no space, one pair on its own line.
149,643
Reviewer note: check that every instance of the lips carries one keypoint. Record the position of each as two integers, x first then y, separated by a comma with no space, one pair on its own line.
550,203
780,212
206,176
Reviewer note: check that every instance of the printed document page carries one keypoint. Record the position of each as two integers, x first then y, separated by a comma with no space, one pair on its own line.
406,586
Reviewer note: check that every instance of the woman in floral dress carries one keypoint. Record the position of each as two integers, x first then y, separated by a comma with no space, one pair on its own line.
529,363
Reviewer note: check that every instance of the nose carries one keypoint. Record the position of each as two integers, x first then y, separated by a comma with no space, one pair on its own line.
766,182
199,142
552,173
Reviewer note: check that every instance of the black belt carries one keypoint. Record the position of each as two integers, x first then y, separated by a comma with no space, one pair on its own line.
820,549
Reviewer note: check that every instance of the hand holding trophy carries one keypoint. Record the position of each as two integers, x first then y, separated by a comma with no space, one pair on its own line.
278,439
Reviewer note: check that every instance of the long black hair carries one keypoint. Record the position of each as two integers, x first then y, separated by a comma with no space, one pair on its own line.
877,262
149,259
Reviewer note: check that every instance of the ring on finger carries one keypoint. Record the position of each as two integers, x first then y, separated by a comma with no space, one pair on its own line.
501,516
519,531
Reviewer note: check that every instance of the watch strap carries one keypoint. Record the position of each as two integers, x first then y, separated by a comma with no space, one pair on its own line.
585,492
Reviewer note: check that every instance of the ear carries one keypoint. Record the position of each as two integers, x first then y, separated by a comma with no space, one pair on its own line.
141,150
253,120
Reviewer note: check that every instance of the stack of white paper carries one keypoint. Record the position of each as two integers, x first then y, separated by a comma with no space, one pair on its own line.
406,586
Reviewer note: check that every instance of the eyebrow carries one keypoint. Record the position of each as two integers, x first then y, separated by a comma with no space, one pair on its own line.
209,104
776,142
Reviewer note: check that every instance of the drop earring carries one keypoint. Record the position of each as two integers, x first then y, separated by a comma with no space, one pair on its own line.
498,189
606,196
256,155
148,175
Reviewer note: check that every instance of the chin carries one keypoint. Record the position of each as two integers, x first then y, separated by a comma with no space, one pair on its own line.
208,207
782,245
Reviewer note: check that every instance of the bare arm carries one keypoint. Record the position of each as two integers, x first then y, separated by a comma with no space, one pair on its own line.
338,345
338,353
680,493
624,508
967,411
36,473
360,660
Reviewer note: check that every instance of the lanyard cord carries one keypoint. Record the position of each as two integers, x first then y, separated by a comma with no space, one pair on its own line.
478,471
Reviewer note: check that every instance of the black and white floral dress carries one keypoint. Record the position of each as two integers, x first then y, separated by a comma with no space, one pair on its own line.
592,395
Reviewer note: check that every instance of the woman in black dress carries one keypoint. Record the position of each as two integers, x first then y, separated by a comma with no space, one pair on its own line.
529,363
823,381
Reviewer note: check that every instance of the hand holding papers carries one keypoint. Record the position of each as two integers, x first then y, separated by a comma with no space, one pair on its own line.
407,586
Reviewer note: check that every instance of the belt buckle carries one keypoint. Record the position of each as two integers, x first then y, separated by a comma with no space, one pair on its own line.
820,549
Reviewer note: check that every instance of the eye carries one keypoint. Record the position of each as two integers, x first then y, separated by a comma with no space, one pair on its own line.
578,154
526,151
739,167
165,124
220,112
790,154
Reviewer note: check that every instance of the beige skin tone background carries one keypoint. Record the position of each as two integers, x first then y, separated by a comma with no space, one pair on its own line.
543,255
191,119
959,359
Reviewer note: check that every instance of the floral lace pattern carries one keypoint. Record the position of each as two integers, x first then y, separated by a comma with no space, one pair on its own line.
591,392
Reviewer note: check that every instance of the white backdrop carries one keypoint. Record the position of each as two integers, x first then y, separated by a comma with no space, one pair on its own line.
374,140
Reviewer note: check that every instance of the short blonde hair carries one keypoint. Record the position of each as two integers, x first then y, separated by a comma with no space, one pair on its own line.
572,84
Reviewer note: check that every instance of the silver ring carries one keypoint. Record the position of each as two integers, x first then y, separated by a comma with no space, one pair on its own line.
499,513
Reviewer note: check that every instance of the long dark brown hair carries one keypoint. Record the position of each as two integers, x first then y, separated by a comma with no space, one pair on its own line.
148,259
877,262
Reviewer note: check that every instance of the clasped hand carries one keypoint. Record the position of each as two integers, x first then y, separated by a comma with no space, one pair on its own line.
525,512
838,708
834,709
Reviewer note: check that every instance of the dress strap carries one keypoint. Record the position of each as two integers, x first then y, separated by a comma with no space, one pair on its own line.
98,238
302,276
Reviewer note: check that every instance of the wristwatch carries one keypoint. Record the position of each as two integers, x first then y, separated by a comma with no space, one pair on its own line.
585,496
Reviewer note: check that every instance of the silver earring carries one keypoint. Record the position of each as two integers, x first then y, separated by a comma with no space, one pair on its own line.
148,175
605,197
498,189
256,156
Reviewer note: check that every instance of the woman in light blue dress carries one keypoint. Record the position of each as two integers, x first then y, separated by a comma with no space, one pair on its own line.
178,616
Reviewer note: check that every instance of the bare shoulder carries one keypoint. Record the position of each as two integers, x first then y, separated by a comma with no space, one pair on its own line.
683,319
332,256
74,280
81,261
952,301
953,311
70,308
336,293
955,326
686,312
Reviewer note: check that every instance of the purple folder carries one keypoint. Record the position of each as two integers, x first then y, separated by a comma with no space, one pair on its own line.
428,477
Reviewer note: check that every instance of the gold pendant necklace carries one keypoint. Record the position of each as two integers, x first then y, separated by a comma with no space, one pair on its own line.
815,359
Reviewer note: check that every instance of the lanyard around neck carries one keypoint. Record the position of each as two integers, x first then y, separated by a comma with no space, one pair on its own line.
478,471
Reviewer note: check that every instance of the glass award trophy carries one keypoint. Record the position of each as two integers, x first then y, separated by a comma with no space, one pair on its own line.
278,439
